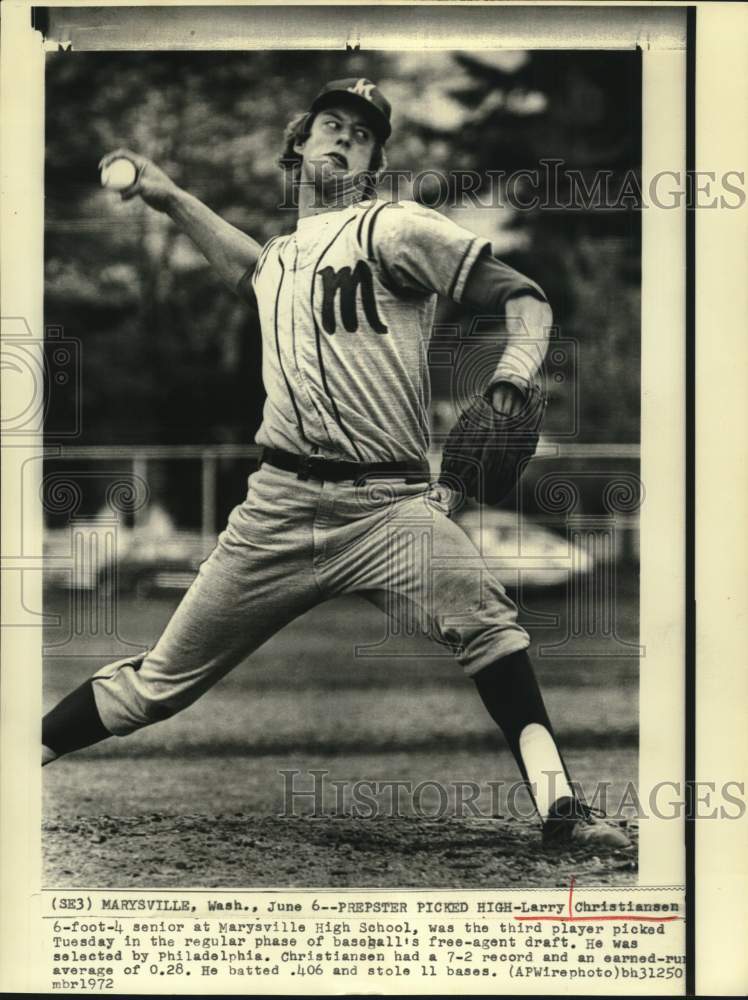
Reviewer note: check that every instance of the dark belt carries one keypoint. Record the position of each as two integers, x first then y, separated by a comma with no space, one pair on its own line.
312,467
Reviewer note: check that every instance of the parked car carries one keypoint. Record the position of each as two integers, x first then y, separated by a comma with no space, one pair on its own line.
520,550
158,557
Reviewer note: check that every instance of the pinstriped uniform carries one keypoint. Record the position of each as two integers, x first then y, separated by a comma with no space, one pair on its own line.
346,305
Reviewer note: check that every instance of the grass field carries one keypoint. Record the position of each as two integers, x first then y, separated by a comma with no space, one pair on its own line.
196,800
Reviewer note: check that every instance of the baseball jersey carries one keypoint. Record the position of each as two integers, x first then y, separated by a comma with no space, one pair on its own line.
346,306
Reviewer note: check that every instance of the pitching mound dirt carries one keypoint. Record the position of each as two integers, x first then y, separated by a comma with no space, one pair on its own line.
248,851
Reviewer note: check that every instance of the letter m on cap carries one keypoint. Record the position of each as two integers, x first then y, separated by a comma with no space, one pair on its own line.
347,283
363,88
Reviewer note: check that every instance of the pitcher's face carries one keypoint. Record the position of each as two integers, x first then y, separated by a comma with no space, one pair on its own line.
339,149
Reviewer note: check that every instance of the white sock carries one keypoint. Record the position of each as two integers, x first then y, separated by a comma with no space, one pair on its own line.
47,755
544,768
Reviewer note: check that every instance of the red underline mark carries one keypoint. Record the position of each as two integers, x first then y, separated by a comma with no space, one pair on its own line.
593,920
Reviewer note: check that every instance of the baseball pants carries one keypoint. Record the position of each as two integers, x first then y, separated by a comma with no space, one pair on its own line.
293,544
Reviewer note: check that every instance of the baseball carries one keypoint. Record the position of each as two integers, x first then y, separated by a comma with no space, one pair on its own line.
119,174
356,287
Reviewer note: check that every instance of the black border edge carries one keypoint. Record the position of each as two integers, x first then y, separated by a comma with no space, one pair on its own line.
690,505
40,20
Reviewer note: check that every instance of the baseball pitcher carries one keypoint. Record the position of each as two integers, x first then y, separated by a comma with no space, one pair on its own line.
343,501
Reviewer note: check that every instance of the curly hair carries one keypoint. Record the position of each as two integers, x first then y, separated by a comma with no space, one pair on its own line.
299,129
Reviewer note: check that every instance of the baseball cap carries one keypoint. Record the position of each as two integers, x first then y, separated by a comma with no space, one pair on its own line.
364,94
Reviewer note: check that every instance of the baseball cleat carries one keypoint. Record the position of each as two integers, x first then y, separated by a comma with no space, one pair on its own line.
572,823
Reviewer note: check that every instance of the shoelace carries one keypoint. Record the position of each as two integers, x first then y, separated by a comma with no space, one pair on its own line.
588,813
591,812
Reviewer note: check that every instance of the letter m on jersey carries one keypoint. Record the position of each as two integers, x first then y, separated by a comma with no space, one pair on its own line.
347,282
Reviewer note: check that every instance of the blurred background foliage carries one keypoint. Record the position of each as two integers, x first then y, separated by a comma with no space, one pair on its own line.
171,356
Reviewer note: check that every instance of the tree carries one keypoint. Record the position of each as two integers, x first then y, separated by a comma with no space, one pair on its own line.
582,110
168,354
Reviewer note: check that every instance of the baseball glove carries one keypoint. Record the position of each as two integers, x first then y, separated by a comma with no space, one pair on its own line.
486,452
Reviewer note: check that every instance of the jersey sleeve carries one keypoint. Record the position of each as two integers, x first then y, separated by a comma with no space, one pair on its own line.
420,250
423,251
247,285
